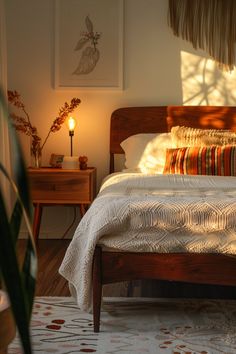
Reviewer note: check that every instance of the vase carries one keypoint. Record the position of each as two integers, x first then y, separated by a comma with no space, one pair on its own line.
36,158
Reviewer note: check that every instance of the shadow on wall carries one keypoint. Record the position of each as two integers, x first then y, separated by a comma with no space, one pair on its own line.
203,83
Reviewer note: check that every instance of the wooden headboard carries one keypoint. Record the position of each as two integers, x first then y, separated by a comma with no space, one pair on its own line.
133,120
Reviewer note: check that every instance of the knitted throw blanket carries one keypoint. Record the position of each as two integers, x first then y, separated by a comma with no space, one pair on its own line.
152,213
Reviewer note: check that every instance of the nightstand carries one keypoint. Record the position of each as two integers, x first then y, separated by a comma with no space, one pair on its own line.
54,186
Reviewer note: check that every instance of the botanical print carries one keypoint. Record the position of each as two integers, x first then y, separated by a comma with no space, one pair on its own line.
90,55
89,44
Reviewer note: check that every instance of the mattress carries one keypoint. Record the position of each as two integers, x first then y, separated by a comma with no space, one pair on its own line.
152,213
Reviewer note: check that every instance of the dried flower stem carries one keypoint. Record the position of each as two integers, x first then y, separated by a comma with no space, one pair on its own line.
24,125
46,139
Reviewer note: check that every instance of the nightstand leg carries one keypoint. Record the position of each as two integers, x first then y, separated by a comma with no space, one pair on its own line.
82,209
37,221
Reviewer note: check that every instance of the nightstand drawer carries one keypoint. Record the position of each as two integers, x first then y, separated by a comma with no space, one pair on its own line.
51,186
62,186
76,188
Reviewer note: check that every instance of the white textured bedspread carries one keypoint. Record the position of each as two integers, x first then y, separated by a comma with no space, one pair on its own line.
152,213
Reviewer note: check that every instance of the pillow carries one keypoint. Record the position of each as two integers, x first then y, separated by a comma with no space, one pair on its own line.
206,160
134,147
185,136
154,155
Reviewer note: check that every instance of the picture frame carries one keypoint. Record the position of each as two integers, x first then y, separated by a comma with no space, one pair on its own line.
56,160
88,44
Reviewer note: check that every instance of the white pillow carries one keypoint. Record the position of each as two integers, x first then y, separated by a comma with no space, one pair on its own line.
134,147
146,152
154,155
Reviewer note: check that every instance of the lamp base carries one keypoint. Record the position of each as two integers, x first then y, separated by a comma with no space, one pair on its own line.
70,163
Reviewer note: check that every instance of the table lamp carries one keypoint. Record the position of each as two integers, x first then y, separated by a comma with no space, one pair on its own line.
71,162
71,122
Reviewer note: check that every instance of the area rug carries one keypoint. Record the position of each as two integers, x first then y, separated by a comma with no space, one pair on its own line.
134,325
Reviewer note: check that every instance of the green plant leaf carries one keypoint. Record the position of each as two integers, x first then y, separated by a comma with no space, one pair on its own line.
12,279
19,281
29,272
16,220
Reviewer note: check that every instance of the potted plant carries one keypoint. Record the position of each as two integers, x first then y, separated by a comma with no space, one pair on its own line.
17,274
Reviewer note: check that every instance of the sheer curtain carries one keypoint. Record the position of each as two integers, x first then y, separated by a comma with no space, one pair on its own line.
4,137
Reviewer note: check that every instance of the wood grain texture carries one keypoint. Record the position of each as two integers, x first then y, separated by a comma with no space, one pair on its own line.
50,254
186,267
58,186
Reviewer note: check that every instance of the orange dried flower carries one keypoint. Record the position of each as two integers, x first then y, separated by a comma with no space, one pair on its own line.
23,124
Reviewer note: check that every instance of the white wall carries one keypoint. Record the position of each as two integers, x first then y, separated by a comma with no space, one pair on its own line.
159,69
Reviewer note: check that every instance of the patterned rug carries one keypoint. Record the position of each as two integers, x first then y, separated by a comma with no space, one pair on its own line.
134,325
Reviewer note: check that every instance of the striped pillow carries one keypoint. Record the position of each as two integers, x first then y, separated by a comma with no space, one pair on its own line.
205,160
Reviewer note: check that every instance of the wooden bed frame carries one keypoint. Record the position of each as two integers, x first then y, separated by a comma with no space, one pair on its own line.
111,267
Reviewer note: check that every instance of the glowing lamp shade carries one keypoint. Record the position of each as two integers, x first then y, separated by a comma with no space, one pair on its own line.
71,123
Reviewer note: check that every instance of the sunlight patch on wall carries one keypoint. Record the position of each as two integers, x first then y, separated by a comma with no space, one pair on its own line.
204,84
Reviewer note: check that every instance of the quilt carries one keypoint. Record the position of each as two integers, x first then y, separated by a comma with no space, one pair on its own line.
152,213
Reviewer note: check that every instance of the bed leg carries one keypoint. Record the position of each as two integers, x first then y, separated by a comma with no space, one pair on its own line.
97,288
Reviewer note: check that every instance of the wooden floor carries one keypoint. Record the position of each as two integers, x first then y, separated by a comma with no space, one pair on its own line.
51,283
50,255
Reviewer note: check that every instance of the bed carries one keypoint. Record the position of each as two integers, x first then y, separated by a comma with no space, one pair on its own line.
109,265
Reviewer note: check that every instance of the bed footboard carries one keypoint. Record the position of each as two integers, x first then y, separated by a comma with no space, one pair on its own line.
111,267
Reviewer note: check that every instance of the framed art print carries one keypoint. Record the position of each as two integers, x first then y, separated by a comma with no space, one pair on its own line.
89,44
56,160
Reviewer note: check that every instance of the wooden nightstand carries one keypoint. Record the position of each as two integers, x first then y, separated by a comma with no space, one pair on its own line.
54,186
